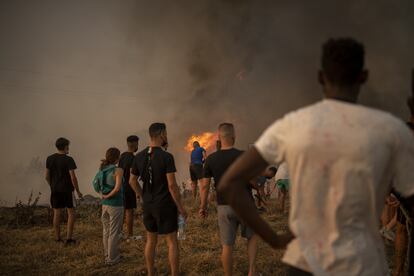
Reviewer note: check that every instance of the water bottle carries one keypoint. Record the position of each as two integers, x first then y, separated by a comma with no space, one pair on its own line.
181,228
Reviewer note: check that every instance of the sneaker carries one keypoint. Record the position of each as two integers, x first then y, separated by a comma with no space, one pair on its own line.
111,263
70,242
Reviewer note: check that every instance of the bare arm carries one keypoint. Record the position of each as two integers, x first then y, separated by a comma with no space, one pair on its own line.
133,182
204,155
118,184
47,176
75,182
249,165
204,191
175,193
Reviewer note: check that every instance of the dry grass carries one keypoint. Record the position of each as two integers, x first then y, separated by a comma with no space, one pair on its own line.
32,250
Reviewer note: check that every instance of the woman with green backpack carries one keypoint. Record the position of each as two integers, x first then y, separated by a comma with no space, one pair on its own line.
108,182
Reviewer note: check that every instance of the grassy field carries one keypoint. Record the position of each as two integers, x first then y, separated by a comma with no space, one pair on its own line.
31,250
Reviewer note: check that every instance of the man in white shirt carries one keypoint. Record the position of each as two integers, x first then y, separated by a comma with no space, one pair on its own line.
341,159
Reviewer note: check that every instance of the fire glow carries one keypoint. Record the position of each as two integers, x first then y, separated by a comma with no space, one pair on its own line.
207,140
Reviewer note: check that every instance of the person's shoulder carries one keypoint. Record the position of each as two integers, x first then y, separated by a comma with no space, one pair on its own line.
52,156
69,158
213,155
167,154
238,151
141,154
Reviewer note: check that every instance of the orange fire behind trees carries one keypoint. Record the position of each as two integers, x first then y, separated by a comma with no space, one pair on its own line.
207,140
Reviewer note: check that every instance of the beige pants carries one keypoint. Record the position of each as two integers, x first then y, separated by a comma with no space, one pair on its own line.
112,219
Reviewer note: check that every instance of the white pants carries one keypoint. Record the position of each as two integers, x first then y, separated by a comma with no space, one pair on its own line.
112,220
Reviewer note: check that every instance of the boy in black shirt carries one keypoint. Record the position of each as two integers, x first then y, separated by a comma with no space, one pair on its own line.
160,194
60,175
215,166
130,198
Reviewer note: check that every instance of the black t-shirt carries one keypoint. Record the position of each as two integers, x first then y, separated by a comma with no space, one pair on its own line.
217,164
125,162
59,166
155,192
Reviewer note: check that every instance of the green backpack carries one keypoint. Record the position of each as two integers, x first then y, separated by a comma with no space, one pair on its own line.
100,183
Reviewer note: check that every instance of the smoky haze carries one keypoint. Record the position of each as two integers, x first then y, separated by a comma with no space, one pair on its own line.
98,71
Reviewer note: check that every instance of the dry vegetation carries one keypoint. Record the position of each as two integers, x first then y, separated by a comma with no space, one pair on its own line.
30,249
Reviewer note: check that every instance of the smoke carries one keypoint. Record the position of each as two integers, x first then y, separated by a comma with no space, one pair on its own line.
98,71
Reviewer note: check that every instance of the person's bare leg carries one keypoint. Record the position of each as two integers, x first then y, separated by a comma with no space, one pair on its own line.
385,218
194,190
56,223
173,253
71,223
227,259
401,241
150,246
129,221
252,252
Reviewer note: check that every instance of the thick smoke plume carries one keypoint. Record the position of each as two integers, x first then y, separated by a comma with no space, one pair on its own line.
97,71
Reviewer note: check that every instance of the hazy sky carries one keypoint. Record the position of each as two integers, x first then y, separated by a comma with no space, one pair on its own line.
98,71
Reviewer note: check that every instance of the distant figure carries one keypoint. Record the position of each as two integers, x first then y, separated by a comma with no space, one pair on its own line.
110,185
212,196
198,156
216,164
259,185
160,195
218,145
282,183
130,198
341,158
61,177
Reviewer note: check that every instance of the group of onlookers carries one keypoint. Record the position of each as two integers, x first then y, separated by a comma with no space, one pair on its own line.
343,160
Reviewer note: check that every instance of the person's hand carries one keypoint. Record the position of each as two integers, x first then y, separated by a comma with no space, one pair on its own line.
202,213
281,240
80,195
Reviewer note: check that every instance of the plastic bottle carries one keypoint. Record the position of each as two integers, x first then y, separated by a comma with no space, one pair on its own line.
181,228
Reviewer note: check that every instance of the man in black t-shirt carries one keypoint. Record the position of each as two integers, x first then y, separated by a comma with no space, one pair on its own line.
130,198
160,195
215,166
60,175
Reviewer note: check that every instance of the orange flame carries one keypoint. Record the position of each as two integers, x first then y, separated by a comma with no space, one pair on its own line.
207,140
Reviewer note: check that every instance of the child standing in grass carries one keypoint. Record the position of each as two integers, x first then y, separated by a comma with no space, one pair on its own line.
108,181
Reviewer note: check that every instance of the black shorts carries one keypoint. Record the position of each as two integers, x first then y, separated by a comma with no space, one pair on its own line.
161,220
60,200
196,172
130,199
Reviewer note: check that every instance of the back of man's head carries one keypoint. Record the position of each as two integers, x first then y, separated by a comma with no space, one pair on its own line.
226,133
196,144
132,139
343,61
62,143
157,129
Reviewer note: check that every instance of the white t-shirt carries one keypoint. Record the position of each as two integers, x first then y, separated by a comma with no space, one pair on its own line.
341,159
282,172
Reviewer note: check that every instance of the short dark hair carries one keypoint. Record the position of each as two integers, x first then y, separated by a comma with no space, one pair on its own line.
132,139
342,60
62,143
196,144
156,129
273,169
